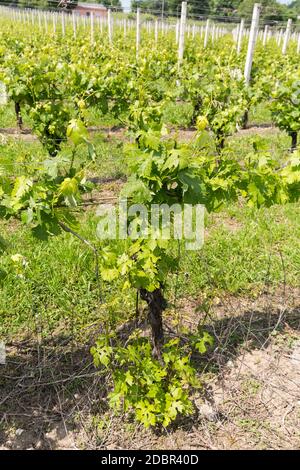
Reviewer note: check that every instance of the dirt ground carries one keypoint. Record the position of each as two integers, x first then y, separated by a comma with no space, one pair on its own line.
51,397
117,132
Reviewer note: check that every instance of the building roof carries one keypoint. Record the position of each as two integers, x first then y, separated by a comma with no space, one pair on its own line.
91,5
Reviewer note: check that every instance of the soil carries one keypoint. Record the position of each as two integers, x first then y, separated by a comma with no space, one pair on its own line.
119,133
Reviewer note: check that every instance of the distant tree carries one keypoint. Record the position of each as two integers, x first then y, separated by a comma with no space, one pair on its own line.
173,7
295,6
154,6
111,3
62,4
271,10
224,7
46,4
200,7
68,4
31,3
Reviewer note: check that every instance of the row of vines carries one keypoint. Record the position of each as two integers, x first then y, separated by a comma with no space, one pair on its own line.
55,81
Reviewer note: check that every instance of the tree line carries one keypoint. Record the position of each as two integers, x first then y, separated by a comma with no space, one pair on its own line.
272,10
223,9
59,4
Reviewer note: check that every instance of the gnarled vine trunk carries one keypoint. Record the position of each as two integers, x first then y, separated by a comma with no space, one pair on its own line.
196,112
220,142
293,135
245,120
18,115
156,305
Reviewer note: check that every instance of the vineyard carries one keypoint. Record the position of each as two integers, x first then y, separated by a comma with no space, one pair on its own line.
137,341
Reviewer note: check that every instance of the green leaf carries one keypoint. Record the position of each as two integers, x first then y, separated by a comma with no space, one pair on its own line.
77,132
201,343
109,274
69,187
128,378
21,187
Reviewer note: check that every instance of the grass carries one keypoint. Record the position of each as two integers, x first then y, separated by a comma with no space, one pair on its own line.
58,290
178,114
260,114
19,155
244,249
8,117
277,143
263,248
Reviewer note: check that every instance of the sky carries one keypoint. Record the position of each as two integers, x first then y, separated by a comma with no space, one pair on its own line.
126,3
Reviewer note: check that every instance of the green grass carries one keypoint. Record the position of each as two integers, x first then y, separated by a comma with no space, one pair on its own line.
244,250
278,143
110,160
8,117
57,291
260,114
19,155
97,118
178,114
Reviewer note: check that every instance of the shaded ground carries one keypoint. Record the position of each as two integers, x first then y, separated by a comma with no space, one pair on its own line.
52,397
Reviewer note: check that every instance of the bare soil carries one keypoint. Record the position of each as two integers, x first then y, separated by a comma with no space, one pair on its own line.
119,133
